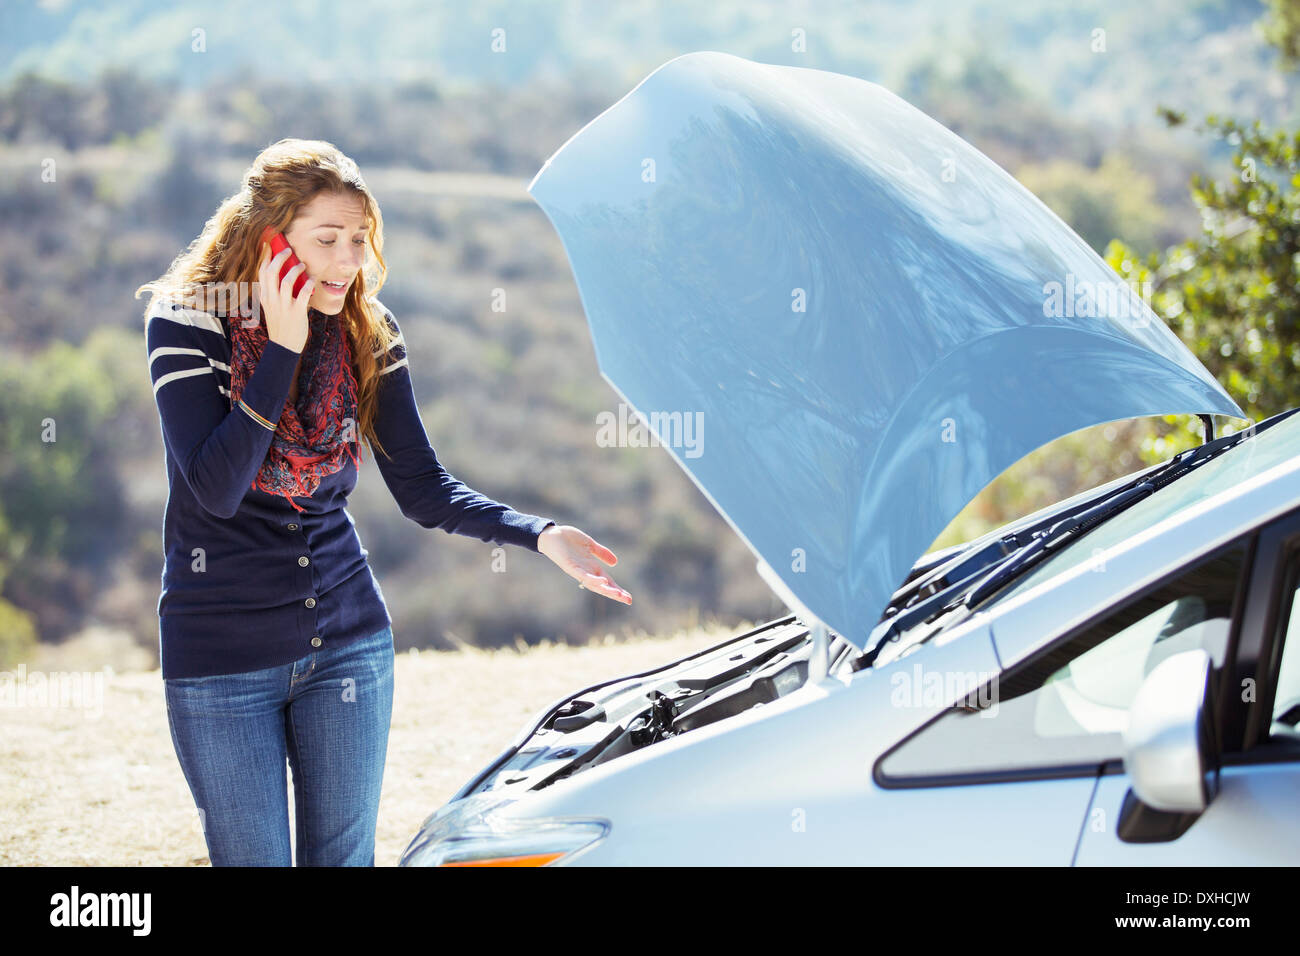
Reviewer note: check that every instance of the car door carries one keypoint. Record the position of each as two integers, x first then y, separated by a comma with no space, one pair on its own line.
1252,818
1058,717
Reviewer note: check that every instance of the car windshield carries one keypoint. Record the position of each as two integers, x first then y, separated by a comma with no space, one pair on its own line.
1277,444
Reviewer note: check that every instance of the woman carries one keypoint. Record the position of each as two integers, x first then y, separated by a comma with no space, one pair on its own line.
275,638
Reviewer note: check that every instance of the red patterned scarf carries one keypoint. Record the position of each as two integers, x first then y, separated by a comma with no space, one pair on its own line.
312,439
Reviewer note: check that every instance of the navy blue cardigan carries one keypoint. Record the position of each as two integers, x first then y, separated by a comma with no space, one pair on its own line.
248,582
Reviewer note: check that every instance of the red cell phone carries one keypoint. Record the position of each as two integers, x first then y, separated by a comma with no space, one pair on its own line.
278,244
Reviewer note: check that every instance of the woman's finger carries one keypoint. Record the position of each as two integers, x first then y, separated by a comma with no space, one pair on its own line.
271,265
277,260
286,284
598,581
602,552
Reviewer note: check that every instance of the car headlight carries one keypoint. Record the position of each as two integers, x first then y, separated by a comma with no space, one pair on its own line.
470,832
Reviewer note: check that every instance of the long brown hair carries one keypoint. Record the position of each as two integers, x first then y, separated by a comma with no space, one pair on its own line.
284,177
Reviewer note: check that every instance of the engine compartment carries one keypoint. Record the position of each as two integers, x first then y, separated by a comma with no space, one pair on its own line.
611,720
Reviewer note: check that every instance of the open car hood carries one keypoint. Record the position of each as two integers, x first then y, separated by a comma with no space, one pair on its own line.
841,319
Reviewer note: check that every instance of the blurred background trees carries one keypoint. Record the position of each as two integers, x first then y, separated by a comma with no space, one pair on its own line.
1231,292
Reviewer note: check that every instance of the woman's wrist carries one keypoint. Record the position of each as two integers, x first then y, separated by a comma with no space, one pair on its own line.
542,535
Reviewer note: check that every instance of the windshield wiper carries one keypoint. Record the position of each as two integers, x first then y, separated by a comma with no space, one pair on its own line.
970,579
966,564
1050,540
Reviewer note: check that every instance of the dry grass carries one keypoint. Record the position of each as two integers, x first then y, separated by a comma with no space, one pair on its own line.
99,785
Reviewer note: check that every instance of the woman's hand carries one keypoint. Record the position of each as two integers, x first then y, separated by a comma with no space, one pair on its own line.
579,556
286,316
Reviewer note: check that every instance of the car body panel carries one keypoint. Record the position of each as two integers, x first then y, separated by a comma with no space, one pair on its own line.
1250,822
838,341
791,783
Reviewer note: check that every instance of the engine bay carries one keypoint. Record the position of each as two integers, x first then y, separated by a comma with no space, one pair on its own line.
605,722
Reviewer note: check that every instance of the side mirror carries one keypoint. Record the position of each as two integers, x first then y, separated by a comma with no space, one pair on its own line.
1169,751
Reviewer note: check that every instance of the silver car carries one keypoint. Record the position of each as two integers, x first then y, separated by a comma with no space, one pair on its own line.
868,321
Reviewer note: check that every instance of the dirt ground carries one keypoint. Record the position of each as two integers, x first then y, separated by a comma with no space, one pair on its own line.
98,784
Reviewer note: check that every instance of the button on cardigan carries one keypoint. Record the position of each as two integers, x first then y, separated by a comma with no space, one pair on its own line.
249,582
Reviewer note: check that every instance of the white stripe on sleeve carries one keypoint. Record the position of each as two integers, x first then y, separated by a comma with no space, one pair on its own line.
175,350
184,373
174,312
396,342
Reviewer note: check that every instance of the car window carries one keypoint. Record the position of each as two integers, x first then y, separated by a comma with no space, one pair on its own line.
1092,693
1277,444
1286,697
1067,709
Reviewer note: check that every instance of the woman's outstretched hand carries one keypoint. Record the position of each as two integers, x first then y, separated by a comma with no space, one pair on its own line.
579,556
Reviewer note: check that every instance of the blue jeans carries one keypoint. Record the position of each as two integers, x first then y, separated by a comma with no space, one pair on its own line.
329,714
